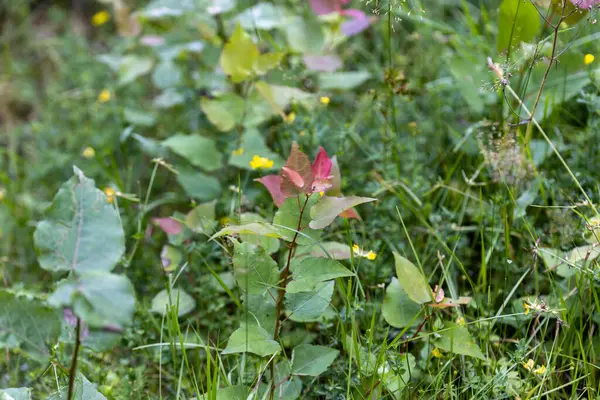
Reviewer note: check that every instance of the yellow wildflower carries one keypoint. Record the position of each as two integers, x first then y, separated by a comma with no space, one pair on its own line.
224,221
100,18
238,152
324,100
461,321
321,193
527,308
88,152
588,59
528,365
436,353
290,118
541,370
356,249
110,194
370,255
261,162
104,96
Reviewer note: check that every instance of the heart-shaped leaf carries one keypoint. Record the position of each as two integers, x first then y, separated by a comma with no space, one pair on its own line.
412,281
312,360
325,211
252,339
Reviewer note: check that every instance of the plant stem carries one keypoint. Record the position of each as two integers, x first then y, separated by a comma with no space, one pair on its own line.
73,370
283,279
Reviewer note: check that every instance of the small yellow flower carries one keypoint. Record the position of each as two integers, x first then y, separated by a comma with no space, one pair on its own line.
541,370
356,249
261,162
100,18
321,193
110,194
527,308
104,96
436,353
528,365
588,59
88,152
238,152
324,100
461,321
371,255
224,221
290,118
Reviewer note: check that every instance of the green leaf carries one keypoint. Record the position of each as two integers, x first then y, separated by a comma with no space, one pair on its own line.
287,216
15,394
198,150
518,19
311,271
167,75
325,211
239,56
398,377
412,281
398,309
261,16
254,270
253,143
132,67
179,299
287,387
198,185
267,62
27,323
262,308
170,257
252,339
169,98
270,244
237,392
342,80
139,117
100,299
304,35
334,250
202,217
82,231
457,339
312,360
309,306
83,390
253,228
225,111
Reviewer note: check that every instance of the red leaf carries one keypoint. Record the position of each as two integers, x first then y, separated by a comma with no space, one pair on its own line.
296,175
351,213
321,168
273,185
169,225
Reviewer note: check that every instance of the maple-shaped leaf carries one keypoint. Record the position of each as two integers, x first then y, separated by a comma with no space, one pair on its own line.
296,174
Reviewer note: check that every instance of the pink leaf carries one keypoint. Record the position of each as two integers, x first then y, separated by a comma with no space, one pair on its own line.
323,63
438,294
169,225
296,175
358,22
350,214
293,176
324,7
273,185
321,185
321,168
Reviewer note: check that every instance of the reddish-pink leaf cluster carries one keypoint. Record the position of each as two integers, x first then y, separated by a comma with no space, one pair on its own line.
299,176
358,21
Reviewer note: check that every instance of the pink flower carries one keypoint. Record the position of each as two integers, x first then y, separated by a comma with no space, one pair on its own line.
585,3
358,21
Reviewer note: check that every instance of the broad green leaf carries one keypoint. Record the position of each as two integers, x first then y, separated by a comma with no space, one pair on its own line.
337,251
468,76
198,185
252,339
170,257
255,271
311,271
83,390
253,143
280,97
253,228
225,111
328,208
216,7
202,217
179,299
15,394
29,324
239,56
100,299
237,392
288,387
411,280
312,360
304,35
82,231
270,244
398,309
457,339
132,67
168,98
398,377
262,309
287,216
267,62
198,150
261,16
342,80
518,21
309,306
167,75
139,117
567,264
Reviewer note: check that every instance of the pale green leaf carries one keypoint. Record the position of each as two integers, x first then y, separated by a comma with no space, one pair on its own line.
328,208
168,98
337,251
342,80
309,306
237,392
266,62
412,281
398,309
253,143
167,75
270,244
255,271
252,339
225,111
287,216
311,271
261,16
239,56
202,217
139,117
198,150
83,390
262,309
253,228
287,387
131,67
457,339
312,360
15,394
162,303
198,185
304,35
518,21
